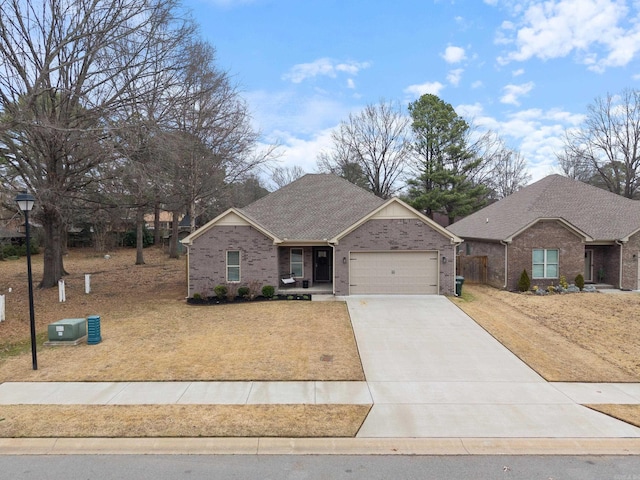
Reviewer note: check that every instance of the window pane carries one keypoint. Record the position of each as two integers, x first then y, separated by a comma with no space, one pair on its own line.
296,262
538,256
552,256
538,271
233,258
552,271
233,274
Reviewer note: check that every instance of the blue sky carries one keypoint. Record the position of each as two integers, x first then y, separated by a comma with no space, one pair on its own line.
524,69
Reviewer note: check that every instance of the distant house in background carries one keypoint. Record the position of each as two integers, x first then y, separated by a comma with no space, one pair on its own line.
323,230
553,227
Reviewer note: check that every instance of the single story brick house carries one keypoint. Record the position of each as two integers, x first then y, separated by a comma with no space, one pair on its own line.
556,227
323,230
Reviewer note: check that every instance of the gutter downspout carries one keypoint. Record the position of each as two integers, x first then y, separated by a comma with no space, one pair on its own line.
455,266
506,262
621,243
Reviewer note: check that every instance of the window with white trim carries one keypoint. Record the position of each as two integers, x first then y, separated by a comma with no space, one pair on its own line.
545,263
296,262
233,266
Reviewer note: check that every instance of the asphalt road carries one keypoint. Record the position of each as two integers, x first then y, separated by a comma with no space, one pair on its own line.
311,467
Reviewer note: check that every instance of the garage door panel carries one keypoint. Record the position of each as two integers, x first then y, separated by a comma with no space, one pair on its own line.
397,272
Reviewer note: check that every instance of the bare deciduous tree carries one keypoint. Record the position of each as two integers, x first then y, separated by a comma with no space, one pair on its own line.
282,176
372,146
503,170
65,68
608,144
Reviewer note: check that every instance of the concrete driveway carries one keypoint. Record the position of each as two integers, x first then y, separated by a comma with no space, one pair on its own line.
433,372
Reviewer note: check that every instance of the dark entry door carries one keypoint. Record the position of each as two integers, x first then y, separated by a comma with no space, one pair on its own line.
323,264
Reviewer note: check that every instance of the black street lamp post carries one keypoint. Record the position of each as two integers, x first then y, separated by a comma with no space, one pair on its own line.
25,201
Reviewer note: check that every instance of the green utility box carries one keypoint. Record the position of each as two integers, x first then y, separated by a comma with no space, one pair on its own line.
67,329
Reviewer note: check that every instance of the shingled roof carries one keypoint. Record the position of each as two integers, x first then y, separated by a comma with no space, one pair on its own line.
314,207
598,213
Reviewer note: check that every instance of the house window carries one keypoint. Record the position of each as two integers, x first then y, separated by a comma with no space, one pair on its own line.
297,263
545,263
233,266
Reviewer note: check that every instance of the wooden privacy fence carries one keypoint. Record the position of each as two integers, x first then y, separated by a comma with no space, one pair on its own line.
472,268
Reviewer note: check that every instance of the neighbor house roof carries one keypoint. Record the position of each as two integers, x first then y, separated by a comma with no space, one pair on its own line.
314,207
599,214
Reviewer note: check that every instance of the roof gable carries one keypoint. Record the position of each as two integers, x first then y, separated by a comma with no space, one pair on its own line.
598,214
316,207
231,217
395,208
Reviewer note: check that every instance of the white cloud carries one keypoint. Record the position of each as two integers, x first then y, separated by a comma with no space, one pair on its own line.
600,33
454,76
454,54
538,134
424,88
350,83
512,93
477,84
517,73
302,152
323,67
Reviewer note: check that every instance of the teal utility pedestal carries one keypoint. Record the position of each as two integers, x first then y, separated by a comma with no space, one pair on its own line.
93,330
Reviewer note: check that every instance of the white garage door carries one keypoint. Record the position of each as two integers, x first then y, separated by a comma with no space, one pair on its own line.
400,273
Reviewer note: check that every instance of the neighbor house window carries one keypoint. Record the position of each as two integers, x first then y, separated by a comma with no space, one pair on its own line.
233,266
545,263
297,263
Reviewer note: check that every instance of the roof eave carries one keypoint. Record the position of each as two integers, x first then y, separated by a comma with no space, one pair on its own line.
188,240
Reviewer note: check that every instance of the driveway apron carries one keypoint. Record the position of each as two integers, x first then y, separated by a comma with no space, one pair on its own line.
433,372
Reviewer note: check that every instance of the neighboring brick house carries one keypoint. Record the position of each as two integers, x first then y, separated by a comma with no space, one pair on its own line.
556,227
325,231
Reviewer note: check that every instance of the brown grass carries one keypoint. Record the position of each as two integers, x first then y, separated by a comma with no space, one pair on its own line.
181,420
581,337
150,333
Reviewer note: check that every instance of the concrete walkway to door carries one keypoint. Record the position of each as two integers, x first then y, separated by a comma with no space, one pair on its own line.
433,372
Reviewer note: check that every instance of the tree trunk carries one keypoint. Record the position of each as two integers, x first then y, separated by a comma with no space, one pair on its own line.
140,236
157,238
173,244
53,265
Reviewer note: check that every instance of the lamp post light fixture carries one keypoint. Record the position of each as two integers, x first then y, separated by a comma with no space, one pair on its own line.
25,202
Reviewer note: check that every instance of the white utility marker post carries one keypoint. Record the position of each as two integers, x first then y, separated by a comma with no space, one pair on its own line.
2,315
61,292
87,283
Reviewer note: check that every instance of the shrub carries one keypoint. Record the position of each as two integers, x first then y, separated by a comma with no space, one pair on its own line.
268,291
254,288
551,289
197,296
524,283
130,237
232,291
579,281
563,282
9,251
244,292
220,291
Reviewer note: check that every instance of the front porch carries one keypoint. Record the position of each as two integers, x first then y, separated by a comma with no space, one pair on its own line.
318,289
309,266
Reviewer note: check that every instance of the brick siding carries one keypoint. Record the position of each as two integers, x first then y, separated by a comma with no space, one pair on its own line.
401,234
549,234
207,258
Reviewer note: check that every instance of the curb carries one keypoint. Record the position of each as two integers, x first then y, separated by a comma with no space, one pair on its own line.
319,446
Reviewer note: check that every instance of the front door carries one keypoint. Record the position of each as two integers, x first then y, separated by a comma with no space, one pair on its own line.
323,264
588,265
